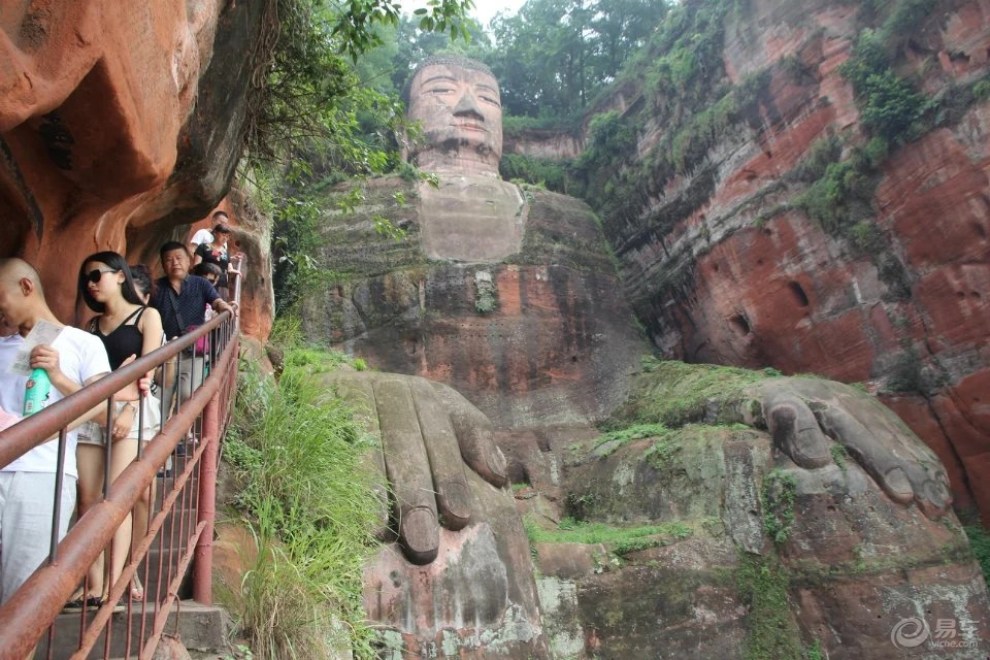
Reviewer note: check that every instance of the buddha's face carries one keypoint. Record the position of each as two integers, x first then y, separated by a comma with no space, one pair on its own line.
461,115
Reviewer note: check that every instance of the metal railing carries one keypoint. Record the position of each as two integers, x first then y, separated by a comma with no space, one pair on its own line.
176,470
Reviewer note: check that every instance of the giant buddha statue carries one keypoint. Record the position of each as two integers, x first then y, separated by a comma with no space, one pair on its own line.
498,327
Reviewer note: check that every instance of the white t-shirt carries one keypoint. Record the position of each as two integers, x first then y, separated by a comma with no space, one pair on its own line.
81,356
202,236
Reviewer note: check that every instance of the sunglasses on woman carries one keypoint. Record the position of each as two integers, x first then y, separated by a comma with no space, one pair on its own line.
95,276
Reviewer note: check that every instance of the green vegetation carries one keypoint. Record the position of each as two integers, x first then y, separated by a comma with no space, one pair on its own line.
554,56
311,97
772,632
777,499
293,455
839,456
679,73
890,106
842,196
314,119
677,393
486,293
661,455
979,542
549,174
618,540
815,652
636,432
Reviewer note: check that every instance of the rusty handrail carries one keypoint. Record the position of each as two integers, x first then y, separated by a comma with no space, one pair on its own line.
24,436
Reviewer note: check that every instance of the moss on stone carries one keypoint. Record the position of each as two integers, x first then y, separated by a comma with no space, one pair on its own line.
676,393
763,584
620,540
810,573
979,541
778,495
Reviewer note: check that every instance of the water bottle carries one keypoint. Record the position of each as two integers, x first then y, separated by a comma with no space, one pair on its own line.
36,392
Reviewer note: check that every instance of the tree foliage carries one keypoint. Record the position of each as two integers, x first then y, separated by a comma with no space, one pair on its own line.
580,45
307,92
314,121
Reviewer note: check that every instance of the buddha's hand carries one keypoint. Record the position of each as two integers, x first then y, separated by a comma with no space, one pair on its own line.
428,432
809,417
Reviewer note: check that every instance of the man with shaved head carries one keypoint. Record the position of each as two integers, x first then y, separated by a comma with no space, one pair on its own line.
27,485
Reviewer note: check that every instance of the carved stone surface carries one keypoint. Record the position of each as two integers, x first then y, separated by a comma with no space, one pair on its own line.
458,105
539,338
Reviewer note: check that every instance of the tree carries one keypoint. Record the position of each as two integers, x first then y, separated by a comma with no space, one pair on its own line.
306,86
553,56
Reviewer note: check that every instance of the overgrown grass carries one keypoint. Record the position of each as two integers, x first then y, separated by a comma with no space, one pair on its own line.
608,442
619,540
294,454
675,393
979,541
772,632
778,497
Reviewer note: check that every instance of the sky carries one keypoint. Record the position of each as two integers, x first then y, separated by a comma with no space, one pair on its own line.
485,10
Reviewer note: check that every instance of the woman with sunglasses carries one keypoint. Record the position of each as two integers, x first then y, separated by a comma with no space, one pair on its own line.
128,329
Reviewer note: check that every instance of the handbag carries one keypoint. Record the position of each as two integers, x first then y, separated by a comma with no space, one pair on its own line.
202,345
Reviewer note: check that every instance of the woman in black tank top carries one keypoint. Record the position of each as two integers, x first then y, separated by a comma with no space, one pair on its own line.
128,330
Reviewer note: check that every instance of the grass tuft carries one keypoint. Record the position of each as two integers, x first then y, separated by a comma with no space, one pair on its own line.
295,460
779,494
619,540
979,541
676,393
772,632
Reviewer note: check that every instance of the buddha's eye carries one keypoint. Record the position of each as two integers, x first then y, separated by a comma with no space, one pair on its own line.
492,101
439,90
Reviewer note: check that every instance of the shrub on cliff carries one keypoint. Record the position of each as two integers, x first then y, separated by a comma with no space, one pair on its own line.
294,459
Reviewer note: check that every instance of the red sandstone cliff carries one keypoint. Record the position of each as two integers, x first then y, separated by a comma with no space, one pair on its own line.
119,123
723,264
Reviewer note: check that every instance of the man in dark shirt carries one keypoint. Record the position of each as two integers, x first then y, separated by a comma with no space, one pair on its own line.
181,299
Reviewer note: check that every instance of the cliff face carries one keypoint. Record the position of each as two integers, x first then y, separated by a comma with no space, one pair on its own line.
119,123
760,223
836,583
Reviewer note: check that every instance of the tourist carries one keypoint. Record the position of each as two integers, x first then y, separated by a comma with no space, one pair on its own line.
128,329
27,495
142,282
211,273
216,252
205,235
181,299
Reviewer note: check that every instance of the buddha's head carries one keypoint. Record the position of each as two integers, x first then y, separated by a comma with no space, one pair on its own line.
456,101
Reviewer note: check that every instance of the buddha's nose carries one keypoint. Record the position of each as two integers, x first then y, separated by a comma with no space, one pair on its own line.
468,106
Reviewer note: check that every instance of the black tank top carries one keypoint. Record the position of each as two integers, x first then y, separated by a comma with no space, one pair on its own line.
123,341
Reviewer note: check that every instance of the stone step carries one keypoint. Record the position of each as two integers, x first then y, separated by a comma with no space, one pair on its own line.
199,627
154,554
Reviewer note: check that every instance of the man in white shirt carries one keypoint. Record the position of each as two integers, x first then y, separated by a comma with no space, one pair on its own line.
27,485
205,235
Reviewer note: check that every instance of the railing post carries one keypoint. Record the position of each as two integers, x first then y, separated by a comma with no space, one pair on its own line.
203,566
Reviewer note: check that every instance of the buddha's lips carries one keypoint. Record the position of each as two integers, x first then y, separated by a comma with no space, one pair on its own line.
473,127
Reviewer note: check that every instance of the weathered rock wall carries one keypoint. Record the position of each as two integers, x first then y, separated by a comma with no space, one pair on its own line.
707,540
549,144
119,123
851,568
724,263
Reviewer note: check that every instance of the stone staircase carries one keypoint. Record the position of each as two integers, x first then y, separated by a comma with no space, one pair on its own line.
196,626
